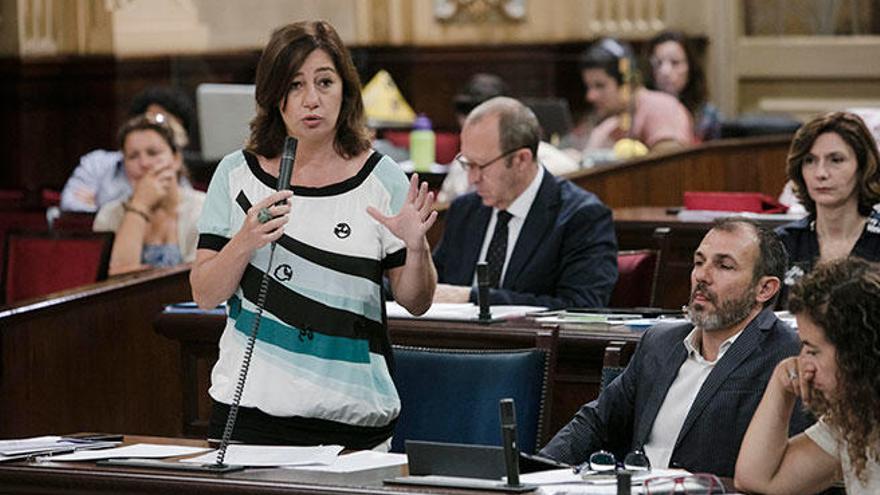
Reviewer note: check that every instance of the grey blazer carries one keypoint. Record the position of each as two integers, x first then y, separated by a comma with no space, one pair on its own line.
621,418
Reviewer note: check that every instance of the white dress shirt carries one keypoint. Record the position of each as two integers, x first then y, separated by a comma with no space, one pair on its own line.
679,398
519,209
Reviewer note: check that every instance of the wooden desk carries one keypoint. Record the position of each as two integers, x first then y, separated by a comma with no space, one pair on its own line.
580,355
54,478
86,477
88,359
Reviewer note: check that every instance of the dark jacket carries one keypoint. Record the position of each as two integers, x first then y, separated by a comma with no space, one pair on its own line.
622,417
565,255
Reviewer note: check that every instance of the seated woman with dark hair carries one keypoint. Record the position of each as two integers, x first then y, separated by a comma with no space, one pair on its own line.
837,375
654,118
674,70
156,224
833,163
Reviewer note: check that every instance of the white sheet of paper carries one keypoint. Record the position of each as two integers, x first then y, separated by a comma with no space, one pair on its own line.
272,455
359,461
138,450
460,311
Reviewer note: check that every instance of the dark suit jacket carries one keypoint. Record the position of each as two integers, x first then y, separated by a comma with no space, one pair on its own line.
622,417
565,256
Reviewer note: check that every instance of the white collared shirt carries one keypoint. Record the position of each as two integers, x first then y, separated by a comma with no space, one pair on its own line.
519,209
679,398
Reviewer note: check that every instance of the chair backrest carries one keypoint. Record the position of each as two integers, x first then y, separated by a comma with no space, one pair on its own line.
73,221
614,361
636,279
18,220
41,263
451,395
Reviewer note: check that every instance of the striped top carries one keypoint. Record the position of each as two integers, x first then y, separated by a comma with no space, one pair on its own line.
322,350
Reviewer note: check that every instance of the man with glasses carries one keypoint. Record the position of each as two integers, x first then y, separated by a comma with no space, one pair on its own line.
546,241
689,392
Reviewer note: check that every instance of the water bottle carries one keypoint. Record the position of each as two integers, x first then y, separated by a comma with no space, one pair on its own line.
421,144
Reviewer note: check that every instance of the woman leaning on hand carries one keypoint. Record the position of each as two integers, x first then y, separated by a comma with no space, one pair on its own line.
835,166
156,225
837,375
319,372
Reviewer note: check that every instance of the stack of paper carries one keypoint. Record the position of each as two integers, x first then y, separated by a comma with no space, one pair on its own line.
272,455
134,451
461,312
46,445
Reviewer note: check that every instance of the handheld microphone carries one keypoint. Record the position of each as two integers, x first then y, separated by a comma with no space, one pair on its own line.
483,291
508,440
288,155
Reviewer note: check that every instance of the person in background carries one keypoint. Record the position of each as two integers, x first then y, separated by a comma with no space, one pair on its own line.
674,70
835,167
547,242
320,370
687,395
101,176
871,117
479,88
156,224
658,120
837,375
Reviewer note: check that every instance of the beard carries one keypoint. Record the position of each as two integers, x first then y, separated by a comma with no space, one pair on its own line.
727,314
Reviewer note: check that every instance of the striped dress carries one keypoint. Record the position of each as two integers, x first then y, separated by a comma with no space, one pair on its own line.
322,353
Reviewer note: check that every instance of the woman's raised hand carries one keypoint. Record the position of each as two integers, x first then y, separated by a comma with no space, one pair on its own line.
265,221
415,217
795,378
154,186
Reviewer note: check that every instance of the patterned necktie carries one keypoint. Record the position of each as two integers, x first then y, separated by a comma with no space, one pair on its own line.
498,249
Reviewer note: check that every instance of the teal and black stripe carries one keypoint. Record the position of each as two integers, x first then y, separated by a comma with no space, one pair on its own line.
297,341
308,314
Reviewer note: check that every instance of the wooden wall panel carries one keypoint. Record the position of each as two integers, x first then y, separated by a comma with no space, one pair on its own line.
752,165
89,360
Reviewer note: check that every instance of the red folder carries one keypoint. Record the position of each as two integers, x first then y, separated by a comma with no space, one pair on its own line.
732,201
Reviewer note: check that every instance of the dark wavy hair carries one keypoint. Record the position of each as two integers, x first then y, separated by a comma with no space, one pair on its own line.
693,96
853,131
283,56
842,297
605,54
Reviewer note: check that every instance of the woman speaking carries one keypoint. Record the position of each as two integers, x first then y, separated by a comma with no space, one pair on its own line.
319,372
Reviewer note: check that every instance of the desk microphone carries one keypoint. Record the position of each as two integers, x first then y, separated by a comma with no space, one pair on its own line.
483,291
508,440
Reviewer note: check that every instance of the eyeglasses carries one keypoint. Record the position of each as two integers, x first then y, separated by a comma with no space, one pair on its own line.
468,165
691,484
603,461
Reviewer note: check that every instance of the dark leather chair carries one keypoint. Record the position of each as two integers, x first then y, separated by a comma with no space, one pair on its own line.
636,279
451,395
39,263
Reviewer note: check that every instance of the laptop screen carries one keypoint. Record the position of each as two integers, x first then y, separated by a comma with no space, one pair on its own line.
225,113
